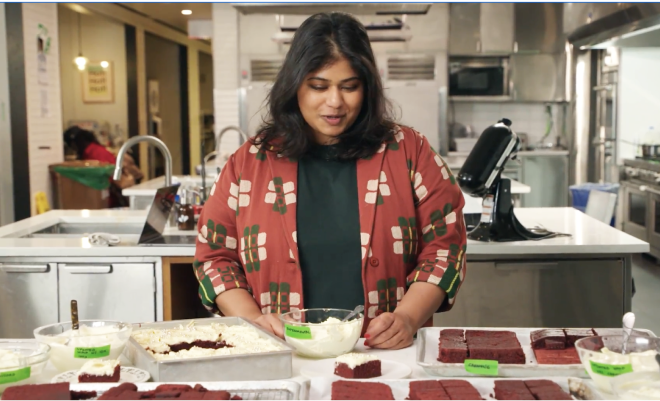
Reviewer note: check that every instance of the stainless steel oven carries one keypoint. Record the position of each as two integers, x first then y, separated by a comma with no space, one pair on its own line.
473,78
640,190
653,220
635,210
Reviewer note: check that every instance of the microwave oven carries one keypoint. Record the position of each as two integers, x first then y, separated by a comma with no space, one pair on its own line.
479,77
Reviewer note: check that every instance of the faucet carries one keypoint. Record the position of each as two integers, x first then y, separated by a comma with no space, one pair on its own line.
157,143
216,152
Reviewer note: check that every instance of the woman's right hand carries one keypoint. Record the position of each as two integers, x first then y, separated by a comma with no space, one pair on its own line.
271,323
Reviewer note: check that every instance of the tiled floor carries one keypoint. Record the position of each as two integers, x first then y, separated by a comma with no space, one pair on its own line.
646,302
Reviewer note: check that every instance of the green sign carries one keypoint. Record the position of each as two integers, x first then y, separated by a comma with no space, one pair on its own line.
299,332
604,369
13,376
481,367
91,352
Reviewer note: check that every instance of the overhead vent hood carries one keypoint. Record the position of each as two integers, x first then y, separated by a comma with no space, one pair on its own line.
394,30
264,70
353,8
635,26
411,68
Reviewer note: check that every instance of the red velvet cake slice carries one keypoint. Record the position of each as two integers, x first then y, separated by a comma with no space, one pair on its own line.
572,335
96,371
114,392
546,390
55,391
427,390
357,366
512,390
548,339
356,390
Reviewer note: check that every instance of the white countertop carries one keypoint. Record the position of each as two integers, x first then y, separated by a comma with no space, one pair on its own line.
589,236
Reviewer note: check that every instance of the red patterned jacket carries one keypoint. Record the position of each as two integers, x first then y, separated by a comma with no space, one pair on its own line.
411,224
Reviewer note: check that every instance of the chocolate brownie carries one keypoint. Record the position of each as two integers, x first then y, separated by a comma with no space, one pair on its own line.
572,335
83,395
452,351
51,391
430,394
345,390
540,338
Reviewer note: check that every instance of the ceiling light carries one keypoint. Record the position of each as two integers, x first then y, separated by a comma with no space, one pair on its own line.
81,62
105,64
186,12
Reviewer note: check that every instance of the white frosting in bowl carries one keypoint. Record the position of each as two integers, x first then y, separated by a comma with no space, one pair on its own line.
330,338
639,361
63,345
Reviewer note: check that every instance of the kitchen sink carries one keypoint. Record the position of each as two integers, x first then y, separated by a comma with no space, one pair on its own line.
89,228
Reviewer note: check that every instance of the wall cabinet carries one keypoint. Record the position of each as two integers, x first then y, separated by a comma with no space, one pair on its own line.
485,28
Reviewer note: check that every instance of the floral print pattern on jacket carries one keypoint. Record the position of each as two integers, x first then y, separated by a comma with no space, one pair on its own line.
411,227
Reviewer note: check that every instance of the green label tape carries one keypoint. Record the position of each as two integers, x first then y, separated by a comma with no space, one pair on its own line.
13,376
481,367
91,352
299,332
604,369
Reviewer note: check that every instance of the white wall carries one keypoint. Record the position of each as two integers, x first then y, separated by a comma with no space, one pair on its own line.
639,98
6,178
225,72
44,111
102,39
529,118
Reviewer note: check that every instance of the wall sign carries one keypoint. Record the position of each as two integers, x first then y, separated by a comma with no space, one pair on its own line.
98,83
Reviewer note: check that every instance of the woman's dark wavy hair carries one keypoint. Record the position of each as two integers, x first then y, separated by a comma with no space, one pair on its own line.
319,41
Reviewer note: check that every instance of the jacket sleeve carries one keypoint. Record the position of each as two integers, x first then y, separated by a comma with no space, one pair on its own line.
217,264
440,224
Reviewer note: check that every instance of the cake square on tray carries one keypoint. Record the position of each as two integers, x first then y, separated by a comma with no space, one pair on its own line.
355,390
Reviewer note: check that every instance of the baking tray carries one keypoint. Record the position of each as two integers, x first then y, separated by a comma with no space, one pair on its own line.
261,366
321,388
248,390
427,354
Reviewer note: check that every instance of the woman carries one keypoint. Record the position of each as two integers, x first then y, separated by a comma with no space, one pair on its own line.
332,205
87,147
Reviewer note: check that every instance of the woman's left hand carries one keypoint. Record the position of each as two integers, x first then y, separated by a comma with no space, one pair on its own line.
390,331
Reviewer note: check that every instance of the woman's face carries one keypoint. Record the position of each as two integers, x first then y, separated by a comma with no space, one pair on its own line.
330,100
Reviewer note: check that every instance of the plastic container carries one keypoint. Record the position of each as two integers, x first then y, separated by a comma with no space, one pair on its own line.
319,333
21,361
95,339
580,194
601,357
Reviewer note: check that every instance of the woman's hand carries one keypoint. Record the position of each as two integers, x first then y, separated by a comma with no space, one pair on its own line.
390,331
271,323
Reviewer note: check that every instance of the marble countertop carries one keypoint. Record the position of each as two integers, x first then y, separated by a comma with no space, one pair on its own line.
589,236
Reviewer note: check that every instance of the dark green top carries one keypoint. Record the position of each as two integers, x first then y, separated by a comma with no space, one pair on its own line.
328,231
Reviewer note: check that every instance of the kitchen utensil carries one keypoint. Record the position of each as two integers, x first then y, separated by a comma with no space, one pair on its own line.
628,324
75,324
357,310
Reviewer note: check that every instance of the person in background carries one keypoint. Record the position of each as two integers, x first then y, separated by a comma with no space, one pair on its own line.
87,147
333,204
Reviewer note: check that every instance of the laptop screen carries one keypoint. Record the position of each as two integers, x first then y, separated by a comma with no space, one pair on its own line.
159,213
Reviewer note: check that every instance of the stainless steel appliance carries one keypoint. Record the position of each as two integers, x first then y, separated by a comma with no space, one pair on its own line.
479,78
417,88
640,193
28,297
